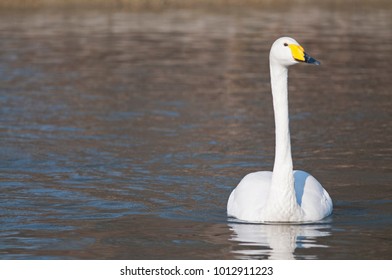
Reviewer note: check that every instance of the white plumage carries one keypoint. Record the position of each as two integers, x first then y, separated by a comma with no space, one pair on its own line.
282,195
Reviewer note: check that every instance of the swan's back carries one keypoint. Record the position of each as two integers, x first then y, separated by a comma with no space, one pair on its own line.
248,200
314,200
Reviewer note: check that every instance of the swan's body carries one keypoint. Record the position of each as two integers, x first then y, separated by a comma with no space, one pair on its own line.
283,195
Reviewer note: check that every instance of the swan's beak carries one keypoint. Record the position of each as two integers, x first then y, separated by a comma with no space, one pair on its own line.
300,55
311,60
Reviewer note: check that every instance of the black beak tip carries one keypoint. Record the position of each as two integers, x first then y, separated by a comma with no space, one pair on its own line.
311,60
316,62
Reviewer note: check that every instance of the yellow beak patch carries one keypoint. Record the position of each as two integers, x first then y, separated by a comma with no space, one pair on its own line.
298,52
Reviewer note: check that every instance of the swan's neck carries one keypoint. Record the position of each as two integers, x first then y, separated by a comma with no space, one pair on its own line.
282,196
283,160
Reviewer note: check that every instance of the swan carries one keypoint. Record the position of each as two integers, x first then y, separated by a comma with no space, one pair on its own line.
283,195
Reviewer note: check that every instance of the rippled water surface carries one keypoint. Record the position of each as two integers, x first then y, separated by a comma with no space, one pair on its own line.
123,133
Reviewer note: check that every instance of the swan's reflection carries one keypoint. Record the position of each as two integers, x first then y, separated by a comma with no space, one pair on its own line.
276,241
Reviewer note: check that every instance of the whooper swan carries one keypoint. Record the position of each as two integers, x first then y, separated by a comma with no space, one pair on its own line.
282,195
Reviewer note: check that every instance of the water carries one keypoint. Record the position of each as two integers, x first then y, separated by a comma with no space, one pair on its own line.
123,133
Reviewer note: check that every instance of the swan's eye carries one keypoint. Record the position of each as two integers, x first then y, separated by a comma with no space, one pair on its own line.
285,44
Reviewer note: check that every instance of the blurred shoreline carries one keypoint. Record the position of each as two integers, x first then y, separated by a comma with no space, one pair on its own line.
6,5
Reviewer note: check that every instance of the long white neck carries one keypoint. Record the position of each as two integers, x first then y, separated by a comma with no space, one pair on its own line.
283,160
282,196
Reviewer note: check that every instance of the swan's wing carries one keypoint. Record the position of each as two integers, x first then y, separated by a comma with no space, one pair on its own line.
311,196
248,199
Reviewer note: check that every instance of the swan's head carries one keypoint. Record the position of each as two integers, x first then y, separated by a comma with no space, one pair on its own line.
286,51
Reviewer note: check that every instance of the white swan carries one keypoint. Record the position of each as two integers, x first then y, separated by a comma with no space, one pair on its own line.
283,195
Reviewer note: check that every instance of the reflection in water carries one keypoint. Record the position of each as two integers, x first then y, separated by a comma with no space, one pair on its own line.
276,241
